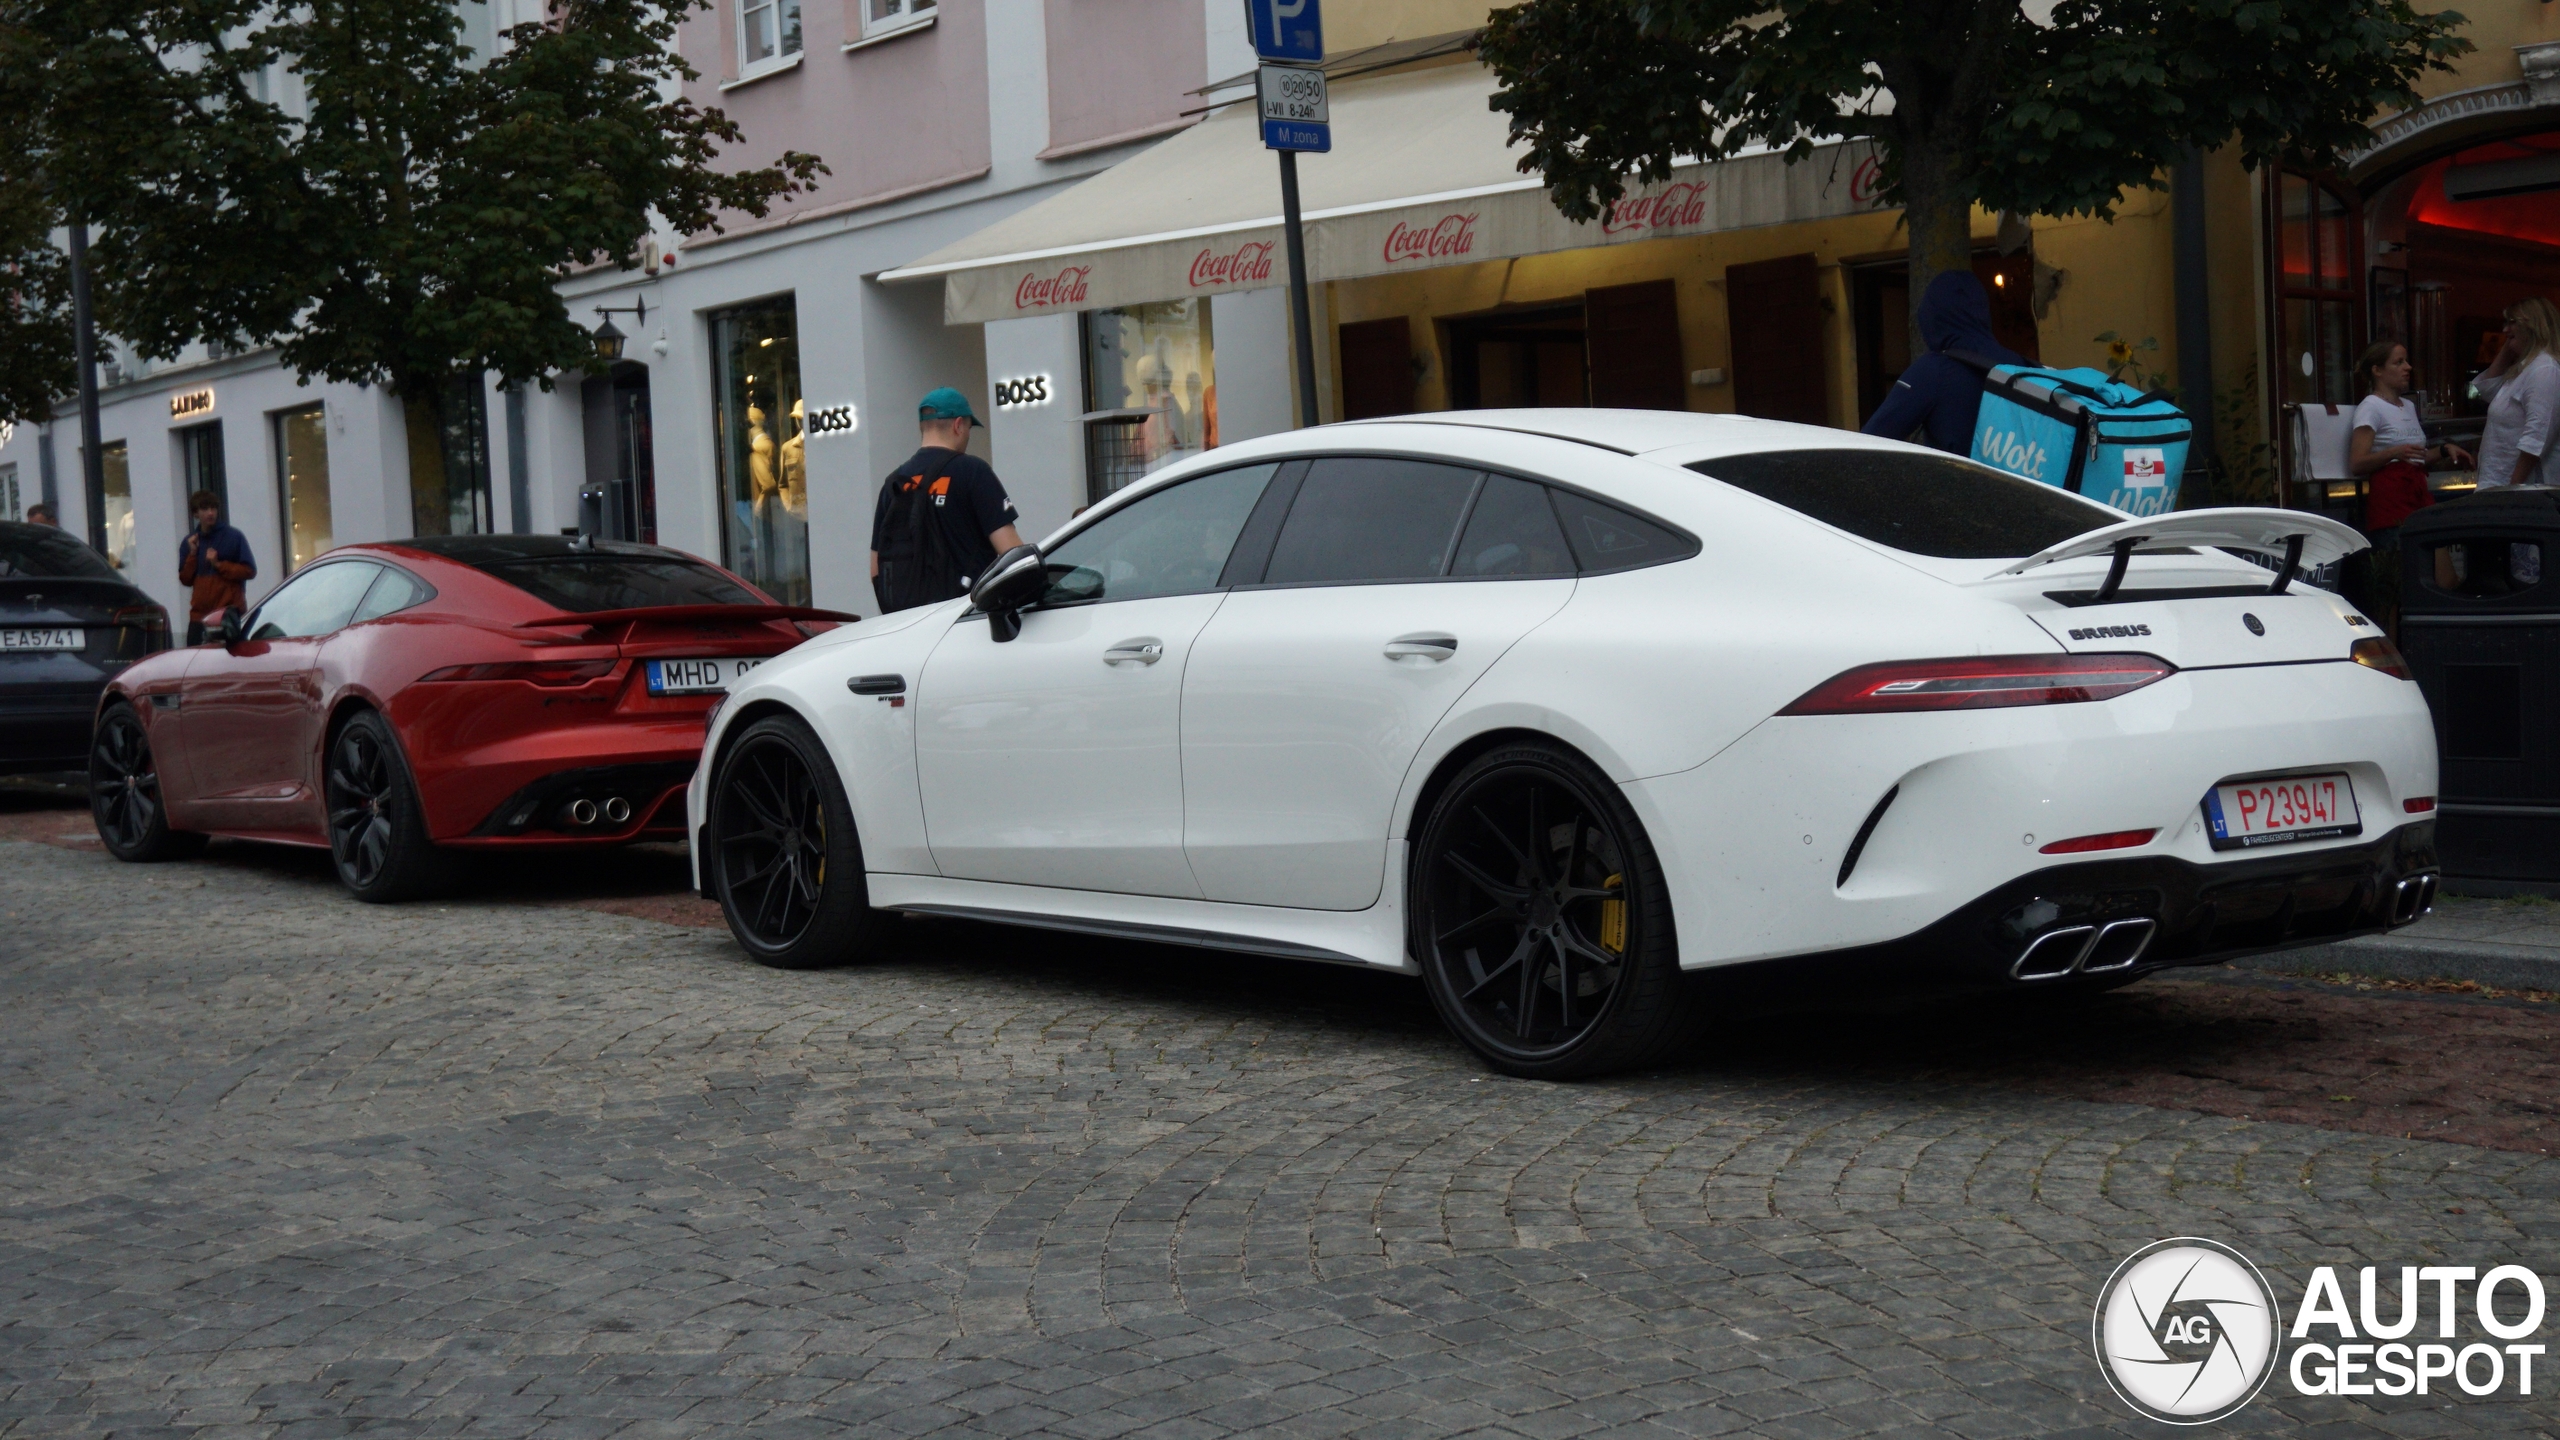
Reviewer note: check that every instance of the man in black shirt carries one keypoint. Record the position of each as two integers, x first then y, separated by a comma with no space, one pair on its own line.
943,517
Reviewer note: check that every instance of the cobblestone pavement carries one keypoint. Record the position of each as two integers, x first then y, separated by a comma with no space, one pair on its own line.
276,1164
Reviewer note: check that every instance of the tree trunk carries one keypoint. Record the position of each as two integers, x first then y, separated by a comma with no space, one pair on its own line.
422,415
1939,214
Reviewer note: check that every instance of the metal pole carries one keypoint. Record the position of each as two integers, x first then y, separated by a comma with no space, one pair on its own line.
2194,305
1301,326
84,353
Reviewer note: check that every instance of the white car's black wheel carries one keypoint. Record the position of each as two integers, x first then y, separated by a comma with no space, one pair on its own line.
1541,918
377,829
124,793
785,861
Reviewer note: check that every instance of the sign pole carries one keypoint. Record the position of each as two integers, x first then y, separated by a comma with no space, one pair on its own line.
1301,323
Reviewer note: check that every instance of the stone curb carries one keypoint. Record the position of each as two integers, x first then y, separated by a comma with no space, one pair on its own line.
2406,957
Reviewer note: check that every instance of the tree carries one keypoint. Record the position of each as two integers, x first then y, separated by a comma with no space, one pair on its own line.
1966,101
35,281
404,221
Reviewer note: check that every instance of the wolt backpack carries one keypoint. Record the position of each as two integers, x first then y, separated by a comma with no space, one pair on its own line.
2083,432
924,570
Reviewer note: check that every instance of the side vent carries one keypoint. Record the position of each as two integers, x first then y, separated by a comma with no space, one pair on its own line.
1858,846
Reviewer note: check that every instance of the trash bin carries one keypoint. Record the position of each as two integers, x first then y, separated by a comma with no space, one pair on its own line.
2480,624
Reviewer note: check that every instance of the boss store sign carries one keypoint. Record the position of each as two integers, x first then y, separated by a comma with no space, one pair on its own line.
1025,393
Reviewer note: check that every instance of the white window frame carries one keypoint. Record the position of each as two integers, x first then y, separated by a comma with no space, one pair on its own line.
903,15
789,28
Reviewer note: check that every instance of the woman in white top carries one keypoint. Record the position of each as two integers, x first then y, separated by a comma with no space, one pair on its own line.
2388,446
2523,391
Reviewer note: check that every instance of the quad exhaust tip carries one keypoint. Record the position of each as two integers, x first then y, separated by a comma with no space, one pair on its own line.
2413,898
2084,949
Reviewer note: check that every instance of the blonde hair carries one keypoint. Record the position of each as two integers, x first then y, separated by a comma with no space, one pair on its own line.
2537,325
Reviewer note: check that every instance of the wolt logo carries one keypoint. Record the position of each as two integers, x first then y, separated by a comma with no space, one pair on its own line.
2145,469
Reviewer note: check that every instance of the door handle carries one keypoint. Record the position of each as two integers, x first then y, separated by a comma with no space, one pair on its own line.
1433,648
1134,652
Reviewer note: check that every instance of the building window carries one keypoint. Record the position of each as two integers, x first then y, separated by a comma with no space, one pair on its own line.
12,506
2316,267
456,502
884,17
764,481
1151,391
111,506
768,34
302,483
200,468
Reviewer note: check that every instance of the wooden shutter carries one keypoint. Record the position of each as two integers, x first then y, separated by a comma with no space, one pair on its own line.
1632,333
1377,368
1776,311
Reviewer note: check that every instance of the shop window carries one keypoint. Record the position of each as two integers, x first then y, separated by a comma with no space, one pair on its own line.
111,506
1632,334
200,468
1775,313
456,501
2316,264
768,35
1151,390
887,17
764,485
302,483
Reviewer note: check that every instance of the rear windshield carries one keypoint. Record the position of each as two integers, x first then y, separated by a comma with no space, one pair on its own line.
584,583
42,550
1923,504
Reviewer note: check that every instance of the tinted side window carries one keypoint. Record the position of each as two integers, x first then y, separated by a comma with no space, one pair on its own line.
605,581
43,550
1606,538
1512,531
1362,518
1173,542
397,590
316,602
1924,504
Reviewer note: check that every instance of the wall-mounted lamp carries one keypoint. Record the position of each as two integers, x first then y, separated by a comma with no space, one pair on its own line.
609,337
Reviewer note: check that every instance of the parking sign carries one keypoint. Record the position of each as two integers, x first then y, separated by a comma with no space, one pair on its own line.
1295,114
1287,29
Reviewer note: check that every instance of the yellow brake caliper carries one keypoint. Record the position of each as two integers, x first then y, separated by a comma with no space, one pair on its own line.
1613,918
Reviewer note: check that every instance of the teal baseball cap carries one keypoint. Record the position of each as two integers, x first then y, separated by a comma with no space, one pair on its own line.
946,404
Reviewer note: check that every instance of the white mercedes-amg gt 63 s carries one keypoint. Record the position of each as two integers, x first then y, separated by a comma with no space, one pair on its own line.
1553,706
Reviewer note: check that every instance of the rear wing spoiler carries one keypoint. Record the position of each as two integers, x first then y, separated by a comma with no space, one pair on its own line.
2302,538
756,613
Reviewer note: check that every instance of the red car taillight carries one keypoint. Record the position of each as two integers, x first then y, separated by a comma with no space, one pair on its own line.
538,672
1980,682
2380,654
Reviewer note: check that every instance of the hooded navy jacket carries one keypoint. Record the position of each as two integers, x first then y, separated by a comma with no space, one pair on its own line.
1937,394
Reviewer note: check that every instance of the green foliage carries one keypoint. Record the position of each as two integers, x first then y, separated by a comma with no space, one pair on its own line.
2124,357
408,223
1967,101
2248,461
35,278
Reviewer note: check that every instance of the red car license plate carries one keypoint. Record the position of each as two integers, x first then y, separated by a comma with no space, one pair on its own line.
2245,814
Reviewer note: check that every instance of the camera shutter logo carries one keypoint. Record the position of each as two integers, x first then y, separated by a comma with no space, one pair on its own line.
2186,1330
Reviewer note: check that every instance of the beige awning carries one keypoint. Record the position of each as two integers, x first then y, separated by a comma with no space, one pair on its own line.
1421,174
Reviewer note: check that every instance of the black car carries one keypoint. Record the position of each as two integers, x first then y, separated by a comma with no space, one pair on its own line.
67,623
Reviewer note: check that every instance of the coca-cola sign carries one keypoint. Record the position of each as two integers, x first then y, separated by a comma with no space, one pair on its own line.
1247,264
1866,180
1047,292
1676,208
1449,237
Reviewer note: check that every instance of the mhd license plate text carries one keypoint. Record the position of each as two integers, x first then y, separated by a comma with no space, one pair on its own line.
697,677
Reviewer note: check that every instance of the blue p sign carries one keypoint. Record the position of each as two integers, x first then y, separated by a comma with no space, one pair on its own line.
1287,29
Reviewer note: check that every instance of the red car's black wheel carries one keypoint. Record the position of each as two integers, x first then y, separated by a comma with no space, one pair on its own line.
124,793
377,832
786,863
1542,920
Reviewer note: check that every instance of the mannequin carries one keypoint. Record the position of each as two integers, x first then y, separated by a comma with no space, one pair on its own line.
760,457
795,465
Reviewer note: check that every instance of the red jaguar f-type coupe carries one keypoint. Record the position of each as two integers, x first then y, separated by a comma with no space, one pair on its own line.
402,702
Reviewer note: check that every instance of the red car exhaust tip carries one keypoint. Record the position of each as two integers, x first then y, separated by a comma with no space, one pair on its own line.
2112,840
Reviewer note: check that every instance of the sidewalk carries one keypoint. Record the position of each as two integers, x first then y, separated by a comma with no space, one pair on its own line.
2510,943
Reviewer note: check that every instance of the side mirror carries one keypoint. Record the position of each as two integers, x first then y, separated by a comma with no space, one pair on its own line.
235,627
1011,585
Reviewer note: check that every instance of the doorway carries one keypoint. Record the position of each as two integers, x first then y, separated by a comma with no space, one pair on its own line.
1518,358
1880,304
631,498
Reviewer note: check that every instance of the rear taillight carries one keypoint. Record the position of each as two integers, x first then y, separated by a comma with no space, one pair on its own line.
150,620
2380,654
538,672
1980,682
